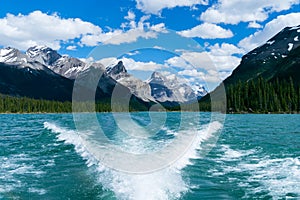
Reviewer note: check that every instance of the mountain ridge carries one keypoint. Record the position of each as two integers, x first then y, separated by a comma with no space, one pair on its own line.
68,68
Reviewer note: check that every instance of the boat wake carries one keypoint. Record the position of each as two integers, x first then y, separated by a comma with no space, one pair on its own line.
168,183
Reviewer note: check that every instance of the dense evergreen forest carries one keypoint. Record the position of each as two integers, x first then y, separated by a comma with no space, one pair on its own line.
262,96
10,104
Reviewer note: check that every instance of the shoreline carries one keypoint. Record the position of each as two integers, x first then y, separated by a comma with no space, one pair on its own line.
227,113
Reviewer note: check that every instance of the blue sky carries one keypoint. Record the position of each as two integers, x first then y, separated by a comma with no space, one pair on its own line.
225,29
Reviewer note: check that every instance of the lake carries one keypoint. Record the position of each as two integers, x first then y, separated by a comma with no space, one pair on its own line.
42,156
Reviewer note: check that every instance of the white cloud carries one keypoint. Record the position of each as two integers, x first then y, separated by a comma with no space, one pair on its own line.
270,29
207,31
131,64
227,63
235,11
87,60
217,63
225,49
131,32
254,25
37,28
199,60
216,59
110,61
178,62
192,73
71,47
130,16
156,6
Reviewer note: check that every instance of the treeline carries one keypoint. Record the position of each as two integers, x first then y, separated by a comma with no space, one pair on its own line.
262,96
11,104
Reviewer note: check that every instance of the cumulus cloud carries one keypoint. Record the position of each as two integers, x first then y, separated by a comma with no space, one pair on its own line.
37,28
270,29
212,66
207,31
235,11
130,32
156,6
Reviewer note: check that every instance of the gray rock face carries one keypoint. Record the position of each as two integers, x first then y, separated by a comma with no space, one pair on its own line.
136,86
68,67
169,88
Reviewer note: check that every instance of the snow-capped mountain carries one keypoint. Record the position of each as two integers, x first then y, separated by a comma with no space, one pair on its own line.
43,55
137,87
64,65
199,90
169,88
158,88
12,55
68,67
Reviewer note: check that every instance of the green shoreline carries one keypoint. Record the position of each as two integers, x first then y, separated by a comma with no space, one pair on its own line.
228,113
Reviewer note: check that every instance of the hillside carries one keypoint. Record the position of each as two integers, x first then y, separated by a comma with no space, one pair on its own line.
268,77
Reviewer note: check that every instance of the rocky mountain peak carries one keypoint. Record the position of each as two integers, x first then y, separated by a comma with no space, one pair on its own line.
12,55
117,69
43,54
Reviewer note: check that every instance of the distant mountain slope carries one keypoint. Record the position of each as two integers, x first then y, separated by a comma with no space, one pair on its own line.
34,80
268,77
278,57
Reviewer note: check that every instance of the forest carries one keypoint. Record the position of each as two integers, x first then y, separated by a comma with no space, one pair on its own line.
262,96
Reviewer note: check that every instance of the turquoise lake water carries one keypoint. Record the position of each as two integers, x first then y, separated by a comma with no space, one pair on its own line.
255,157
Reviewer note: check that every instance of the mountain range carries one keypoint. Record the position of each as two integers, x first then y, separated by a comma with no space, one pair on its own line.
43,73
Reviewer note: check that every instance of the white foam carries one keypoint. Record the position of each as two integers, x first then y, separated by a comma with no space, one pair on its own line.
277,177
296,39
11,168
230,154
164,184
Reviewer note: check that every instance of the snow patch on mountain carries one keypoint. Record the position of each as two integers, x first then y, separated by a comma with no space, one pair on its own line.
291,45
